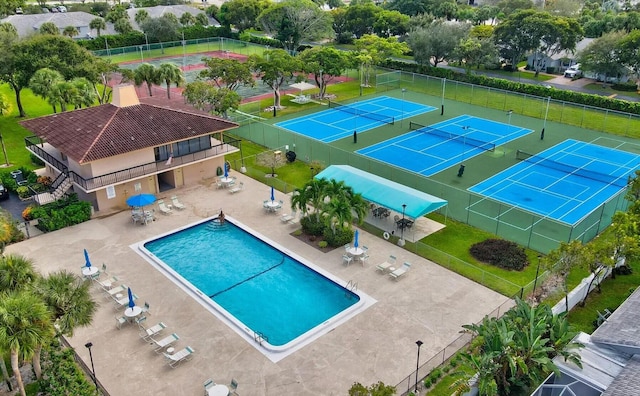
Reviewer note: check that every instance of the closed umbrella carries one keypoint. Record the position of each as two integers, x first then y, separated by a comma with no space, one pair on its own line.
273,197
355,239
131,302
226,172
87,262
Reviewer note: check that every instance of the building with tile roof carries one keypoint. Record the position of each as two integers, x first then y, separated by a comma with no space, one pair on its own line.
112,151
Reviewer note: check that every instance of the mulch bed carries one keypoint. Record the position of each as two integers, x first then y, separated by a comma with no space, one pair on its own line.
312,241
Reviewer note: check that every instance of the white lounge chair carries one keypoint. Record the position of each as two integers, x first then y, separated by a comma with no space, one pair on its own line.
285,218
116,290
237,188
121,302
149,332
163,207
159,345
296,219
400,271
180,356
177,204
108,283
391,261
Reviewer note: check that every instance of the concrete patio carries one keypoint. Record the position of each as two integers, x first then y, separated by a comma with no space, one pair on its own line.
429,303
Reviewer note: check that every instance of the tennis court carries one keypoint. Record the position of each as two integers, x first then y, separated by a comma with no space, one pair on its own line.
565,182
430,149
340,121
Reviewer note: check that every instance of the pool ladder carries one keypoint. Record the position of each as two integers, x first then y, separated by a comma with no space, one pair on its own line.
259,337
214,226
352,286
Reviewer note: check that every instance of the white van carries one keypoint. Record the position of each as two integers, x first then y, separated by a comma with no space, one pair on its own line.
573,71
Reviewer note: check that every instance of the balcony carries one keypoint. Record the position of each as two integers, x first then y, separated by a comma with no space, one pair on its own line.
34,145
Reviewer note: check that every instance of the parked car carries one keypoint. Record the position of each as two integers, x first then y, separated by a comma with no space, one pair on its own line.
573,71
19,10
4,193
62,8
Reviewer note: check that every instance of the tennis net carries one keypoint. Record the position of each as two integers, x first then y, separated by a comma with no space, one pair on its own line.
452,136
618,181
361,113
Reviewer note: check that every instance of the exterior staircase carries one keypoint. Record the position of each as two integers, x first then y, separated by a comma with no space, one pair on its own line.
62,185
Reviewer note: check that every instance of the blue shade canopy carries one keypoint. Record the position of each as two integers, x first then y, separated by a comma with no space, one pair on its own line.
131,302
273,197
141,200
383,192
355,239
87,262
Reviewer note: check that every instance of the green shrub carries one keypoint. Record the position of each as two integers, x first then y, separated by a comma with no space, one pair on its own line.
297,232
341,237
427,382
23,192
628,86
312,226
437,373
36,160
323,244
62,376
62,213
501,253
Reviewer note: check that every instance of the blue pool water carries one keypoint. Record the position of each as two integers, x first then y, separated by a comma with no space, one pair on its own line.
258,285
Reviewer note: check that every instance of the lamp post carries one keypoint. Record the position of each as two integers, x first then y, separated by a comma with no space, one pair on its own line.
509,115
444,84
184,52
546,113
146,40
141,54
401,240
93,369
535,282
403,91
419,344
312,172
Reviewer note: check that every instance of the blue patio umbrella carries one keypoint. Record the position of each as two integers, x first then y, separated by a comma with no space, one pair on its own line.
226,172
355,240
273,197
87,262
141,200
131,302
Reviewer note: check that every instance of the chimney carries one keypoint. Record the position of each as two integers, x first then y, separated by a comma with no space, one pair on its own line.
124,95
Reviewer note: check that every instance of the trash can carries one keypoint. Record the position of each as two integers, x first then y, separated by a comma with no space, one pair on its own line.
17,175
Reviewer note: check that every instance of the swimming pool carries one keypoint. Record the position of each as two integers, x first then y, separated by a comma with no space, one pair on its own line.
259,287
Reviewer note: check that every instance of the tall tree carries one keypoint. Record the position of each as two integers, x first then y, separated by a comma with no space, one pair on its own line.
600,56
229,73
146,73
64,93
170,74
85,94
275,68
326,63
187,19
294,21
201,19
241,14
562,260
141,16
208,98
16,272
391,23
438,42
8,7
116,12
373,50
360,18
123,26
42,83
98,24
161,29
628,49
25,325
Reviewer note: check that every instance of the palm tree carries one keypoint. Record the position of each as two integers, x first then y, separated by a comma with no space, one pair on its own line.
70,31
312,193
25,325
141,16
49,28
43,81
98,24
86,95
16,272
64,93
187,19
148,74
170,73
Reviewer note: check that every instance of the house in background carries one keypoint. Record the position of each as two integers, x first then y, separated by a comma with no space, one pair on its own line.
109,152
30,24
177,10
559,62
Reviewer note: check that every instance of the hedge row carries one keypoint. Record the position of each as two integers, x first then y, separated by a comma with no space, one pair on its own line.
530,89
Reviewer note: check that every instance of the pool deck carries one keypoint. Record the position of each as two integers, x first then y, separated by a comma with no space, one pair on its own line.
428,303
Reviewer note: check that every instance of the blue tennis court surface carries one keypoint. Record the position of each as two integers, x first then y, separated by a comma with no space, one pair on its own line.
429,150
565,182
338,123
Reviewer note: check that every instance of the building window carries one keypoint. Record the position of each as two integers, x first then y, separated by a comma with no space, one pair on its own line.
162,153
111,192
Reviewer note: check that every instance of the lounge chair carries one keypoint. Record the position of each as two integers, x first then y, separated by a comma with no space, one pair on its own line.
346,259
107,284
177,204
285,218
400,271
296,220
237,188
122,302
391,261
163,207
148,332
159,345
116,290
180,356
208,384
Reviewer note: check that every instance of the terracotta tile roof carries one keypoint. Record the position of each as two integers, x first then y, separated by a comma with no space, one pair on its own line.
104,131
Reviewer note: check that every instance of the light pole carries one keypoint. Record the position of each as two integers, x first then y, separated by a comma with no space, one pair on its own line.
509,115
535,282
444,84
401,240
184,52
419,344
546,113
146,40
93,369
141,55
